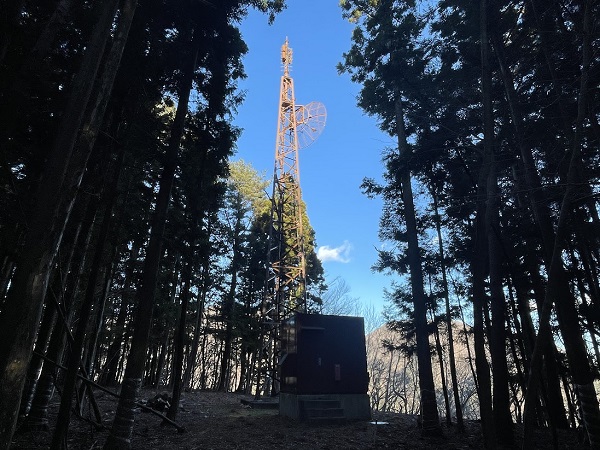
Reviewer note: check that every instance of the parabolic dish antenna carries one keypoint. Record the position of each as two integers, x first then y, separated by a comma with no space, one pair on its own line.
310,121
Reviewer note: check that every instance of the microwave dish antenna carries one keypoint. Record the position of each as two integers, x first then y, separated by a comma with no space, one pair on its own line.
310,122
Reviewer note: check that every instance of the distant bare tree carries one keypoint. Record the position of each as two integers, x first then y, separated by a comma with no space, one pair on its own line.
338,301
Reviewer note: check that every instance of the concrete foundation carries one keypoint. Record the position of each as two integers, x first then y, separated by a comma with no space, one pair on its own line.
325,406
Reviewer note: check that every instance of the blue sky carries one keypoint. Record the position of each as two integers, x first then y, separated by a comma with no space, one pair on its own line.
349,149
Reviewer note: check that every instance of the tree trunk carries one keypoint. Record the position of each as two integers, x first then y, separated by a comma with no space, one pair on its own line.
481,364
159,361
188,376
229,303
6,273
481,251
55,299
584,294
431,422
75,357
47,220
204,361
56,292
497,336
565,302
557,291
440,354
452,359
590,275
179,340
467,345
518,353
35,366
110,371
550,374
120,434
241,386
85,145
95,329
38,414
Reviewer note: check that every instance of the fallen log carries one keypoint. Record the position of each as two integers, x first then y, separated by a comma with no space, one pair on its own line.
179,428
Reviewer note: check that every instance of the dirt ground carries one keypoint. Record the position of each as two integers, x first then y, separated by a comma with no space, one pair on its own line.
220,421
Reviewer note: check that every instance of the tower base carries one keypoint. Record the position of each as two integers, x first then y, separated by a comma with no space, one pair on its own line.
325,406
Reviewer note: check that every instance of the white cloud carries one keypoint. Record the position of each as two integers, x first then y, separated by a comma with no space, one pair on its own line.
339,254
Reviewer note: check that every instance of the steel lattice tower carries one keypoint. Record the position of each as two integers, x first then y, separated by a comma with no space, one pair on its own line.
297,127
285,286
287,261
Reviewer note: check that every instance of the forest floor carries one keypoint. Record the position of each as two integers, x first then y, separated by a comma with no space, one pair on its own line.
220,421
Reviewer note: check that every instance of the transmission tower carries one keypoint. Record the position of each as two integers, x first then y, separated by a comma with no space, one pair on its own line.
297,127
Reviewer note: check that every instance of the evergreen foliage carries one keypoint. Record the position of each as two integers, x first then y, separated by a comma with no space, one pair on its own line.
499,108
133,252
